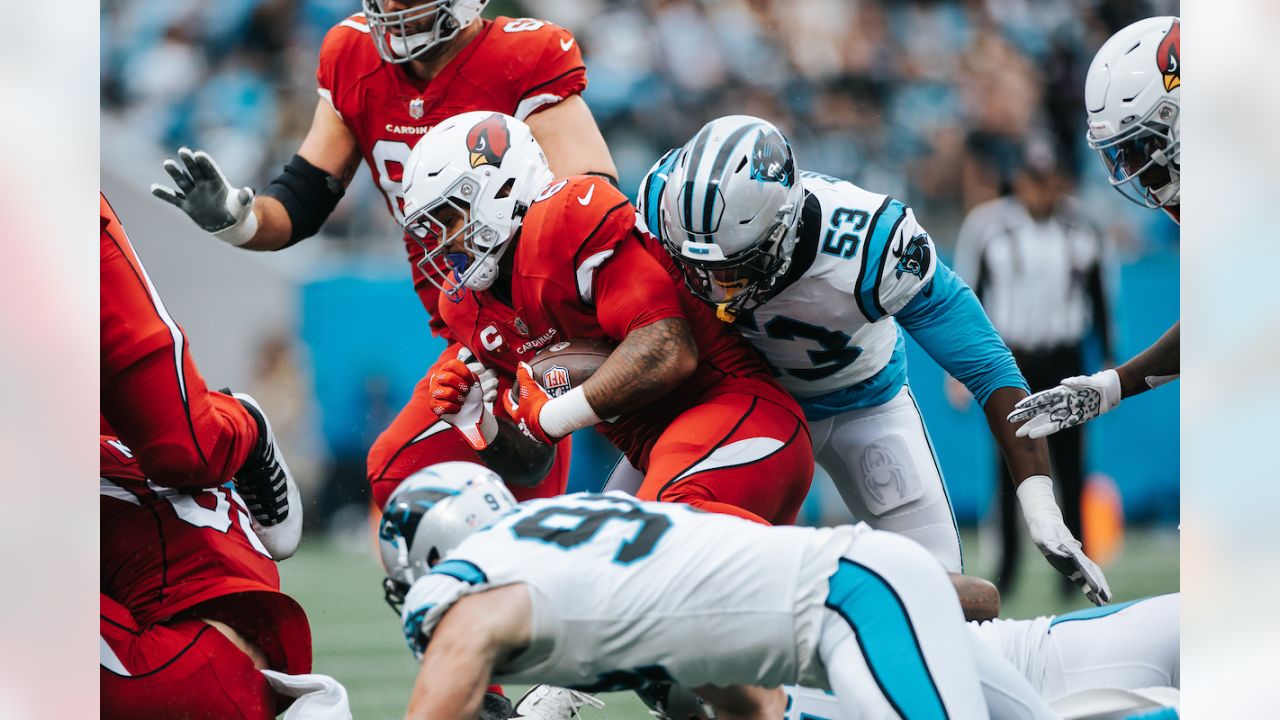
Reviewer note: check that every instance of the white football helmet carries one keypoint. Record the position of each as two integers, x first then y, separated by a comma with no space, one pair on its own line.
467,185
1132,96
404,35
729,212
430,513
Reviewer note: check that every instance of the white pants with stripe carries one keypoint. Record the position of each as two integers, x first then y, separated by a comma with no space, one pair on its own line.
882,462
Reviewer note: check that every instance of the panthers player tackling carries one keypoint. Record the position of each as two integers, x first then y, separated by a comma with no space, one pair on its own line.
822,276
385,77
526,260
603,592
1132,94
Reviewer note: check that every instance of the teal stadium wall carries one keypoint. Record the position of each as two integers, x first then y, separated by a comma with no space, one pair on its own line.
365,321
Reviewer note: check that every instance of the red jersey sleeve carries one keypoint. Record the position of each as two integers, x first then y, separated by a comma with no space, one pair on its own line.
633,290
555,69
340,61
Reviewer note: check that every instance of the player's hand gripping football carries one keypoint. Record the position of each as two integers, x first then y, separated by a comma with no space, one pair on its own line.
1077,400
462,393
1056,543
526,408
204,194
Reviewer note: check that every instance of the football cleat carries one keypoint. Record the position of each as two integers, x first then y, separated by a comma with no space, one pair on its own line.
495,707
547,702
268,488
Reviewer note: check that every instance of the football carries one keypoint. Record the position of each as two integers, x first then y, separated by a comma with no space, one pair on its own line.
566,365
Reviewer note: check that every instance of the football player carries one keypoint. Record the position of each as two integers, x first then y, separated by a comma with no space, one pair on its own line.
526,260
1132,95
386,76
193,623
156,401
604,592
822,276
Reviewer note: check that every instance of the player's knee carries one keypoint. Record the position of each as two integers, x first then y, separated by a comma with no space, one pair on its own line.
176,466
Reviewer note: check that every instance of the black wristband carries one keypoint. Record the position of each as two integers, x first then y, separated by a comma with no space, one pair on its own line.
308,194
612,180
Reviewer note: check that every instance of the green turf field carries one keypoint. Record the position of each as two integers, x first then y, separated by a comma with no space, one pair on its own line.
358,640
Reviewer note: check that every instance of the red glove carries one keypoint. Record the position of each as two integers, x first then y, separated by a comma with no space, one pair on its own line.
527,410
457,397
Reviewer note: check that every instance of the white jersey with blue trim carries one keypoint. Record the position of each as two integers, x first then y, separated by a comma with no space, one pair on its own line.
860,258
621,589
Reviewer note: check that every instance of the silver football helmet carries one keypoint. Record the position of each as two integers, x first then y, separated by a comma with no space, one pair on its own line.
404,35
430,513
1132,94
729,212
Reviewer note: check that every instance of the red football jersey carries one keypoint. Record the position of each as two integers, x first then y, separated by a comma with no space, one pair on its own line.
516,66
560,291
165,551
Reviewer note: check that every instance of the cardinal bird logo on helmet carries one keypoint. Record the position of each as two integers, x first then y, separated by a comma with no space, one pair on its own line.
489,140
1168,58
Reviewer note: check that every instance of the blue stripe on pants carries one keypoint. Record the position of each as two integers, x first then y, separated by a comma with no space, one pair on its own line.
887,639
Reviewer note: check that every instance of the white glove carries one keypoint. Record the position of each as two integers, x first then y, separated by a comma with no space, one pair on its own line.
458,396
1077,400
316,697
204,194
1056,543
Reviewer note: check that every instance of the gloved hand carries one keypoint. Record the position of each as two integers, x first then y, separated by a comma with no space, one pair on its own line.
1056,543
204,194
457,397
1077,400
526,410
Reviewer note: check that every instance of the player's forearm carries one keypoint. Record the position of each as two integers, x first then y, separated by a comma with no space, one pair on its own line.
451,682
274,226
649,363
1024,456
1159,362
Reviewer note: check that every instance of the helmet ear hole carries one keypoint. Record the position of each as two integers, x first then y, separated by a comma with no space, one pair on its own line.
506,188
433,557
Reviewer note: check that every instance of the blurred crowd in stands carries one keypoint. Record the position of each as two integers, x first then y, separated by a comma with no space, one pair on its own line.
929,100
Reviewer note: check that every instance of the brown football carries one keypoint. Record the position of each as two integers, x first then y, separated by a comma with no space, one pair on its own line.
566,365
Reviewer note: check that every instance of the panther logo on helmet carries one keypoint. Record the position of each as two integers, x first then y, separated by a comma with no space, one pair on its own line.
771,159
489,140
1168,58
915,257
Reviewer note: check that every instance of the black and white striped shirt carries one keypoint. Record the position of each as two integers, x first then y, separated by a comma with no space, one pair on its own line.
1041,282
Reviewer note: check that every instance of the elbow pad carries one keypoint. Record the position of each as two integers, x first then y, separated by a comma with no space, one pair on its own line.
308,194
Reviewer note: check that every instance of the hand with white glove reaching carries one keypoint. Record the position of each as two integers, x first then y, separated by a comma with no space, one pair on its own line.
1056,543
205,195
462,394
1077,400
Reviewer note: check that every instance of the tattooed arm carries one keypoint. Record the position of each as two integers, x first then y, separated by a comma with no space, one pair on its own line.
649,362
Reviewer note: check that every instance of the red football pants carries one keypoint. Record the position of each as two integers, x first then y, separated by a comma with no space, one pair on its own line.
736,454
418,438
181,669
153,397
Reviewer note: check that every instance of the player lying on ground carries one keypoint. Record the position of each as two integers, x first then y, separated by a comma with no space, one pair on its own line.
1129,646
1133,98
384,77
605,592
823,276
526,260
193,623
154,399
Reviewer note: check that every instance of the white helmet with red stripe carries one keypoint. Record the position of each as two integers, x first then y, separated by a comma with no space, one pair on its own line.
1132,96
409,33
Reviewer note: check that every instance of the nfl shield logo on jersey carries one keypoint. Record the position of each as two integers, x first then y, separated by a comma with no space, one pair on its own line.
556,380
521,327
416,110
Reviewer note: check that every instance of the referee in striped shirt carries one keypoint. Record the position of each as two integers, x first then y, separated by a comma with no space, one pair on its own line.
1037,263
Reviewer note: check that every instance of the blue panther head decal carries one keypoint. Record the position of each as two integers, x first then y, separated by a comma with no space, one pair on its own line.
771,159
915,257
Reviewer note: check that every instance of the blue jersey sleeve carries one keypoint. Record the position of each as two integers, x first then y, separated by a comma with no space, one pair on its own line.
947,320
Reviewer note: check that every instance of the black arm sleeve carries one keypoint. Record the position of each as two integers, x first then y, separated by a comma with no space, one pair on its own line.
518,460
308,194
